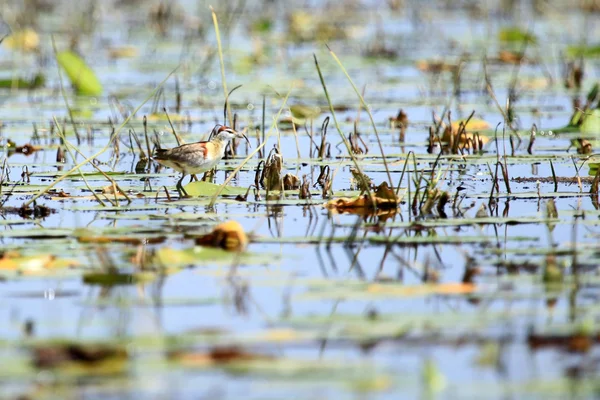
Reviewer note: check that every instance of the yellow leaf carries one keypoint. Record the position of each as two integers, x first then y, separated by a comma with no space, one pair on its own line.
229,235
8,264
422,290
374,384
472,125
26,40
281,335
123,52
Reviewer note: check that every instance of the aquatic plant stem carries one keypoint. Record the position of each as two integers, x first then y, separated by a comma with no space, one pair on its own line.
366,107
365,183
220,50
68,146
113,136
258,148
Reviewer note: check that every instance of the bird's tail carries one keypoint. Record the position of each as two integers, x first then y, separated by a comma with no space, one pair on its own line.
160,154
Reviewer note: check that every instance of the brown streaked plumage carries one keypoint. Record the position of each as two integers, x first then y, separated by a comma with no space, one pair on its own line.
194,158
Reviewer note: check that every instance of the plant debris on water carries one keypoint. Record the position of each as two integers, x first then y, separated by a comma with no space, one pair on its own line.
410,199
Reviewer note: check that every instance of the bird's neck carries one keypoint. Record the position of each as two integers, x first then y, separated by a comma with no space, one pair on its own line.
220,145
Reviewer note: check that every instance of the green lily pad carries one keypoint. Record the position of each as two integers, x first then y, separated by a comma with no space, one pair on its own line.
591,123
516,35
201,188
587,51
81,75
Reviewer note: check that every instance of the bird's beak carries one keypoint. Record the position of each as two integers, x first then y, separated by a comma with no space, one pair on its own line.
242,135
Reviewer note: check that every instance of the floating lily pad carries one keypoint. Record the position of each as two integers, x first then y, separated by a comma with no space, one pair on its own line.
80,74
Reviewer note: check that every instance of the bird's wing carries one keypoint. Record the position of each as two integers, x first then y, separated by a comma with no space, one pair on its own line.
190,150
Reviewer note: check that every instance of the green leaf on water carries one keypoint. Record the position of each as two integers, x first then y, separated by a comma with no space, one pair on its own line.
201,188
20,83
587,51
112,279
516,35
591,123
81,75
433,379
302,113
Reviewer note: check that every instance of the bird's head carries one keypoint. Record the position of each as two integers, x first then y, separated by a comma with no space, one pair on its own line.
226,133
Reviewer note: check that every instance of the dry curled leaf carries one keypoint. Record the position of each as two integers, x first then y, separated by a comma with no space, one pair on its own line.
82,355
88,237
222,355
229,235
26,40
583,146
291,182
434,66
111,189
27,149
384,197
471,126
271,177
123,52
460,135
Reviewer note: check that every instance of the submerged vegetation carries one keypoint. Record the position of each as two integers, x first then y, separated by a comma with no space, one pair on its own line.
414,209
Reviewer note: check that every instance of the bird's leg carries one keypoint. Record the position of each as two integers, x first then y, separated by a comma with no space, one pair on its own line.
180,189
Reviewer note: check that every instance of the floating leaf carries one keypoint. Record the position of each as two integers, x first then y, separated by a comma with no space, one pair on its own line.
229,235
123,52
280,335
26,40
489,354
435,66
516,35
472,125
116,278
383,198
36,82
591,123
81,75
302,113
510,57
372,384
81,359
589,51
217,356
208,189
433,379
36,264
154,117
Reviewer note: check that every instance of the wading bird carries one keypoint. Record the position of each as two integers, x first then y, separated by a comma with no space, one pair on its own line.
194,158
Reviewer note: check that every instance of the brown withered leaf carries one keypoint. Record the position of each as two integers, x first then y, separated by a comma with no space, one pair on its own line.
222,355
291,182
304,192
229,235
36,264
75,354
111,189
575,343
434,66
583,146
384,198
271,178
510,57
91,238
462,135
27,149
400,120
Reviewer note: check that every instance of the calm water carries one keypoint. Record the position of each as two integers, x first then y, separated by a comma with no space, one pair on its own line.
291,285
